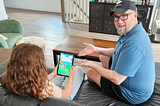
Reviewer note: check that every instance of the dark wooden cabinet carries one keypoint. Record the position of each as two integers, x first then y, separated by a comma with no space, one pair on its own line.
100,22
108,21
96,17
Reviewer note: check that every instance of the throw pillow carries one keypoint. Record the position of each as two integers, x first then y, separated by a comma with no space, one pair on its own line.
5,38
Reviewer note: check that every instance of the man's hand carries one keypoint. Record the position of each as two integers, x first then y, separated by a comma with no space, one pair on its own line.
87,63
88,50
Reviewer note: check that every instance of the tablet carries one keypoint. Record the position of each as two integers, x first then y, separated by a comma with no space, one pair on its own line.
65,63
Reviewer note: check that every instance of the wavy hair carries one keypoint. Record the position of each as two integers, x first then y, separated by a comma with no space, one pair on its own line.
26,72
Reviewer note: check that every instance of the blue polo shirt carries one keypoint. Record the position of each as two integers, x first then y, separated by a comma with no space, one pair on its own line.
133,57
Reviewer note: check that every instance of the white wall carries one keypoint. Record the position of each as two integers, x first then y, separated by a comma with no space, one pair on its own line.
42,5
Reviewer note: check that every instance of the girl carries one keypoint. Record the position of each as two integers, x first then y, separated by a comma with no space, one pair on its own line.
27,75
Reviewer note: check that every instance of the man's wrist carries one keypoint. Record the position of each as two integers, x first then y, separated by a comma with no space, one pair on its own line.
96,49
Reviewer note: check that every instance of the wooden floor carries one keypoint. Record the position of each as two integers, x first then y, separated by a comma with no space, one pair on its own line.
50,26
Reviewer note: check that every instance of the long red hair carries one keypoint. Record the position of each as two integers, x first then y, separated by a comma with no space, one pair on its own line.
26,72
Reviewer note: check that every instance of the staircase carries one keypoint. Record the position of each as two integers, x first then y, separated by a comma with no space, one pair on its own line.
75,11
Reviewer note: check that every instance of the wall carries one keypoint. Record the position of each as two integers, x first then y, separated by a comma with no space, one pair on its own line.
41,5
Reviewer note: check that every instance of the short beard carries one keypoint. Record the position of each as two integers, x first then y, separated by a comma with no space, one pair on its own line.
121,31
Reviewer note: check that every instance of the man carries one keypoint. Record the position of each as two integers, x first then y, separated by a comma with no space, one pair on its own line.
128,72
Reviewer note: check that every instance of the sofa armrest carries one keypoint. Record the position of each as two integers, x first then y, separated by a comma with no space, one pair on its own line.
11,26
3,68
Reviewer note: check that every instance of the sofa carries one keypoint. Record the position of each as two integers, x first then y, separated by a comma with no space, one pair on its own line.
13,30
89,95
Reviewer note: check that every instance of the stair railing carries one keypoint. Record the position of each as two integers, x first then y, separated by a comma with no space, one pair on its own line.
76,11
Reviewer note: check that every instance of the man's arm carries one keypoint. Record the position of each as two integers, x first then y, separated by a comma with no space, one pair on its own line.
92,49
113,76
105,51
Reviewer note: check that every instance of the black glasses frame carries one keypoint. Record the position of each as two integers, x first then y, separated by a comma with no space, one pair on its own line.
119,17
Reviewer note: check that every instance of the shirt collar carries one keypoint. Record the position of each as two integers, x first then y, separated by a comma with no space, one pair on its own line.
123,38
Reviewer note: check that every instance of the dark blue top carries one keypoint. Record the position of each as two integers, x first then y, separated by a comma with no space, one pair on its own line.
133,57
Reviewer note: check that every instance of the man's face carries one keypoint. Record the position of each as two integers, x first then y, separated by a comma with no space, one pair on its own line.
124,26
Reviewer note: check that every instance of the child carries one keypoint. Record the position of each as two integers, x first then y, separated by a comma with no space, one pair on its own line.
27,75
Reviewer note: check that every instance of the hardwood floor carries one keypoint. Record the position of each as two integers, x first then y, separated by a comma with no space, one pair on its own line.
50,26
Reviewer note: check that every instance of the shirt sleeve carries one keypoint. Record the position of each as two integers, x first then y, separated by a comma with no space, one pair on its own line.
129,60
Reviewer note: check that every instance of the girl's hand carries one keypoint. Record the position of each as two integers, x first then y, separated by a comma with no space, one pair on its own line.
71,72
53,73
55,70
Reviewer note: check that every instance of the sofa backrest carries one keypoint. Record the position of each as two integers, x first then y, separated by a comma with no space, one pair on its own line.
12,99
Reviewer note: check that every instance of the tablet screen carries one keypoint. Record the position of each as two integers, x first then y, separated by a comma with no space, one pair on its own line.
65,63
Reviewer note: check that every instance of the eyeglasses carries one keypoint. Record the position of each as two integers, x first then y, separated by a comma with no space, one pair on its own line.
122,17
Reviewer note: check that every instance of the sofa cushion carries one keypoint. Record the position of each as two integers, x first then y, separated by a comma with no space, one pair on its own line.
91,94
3,43
12,39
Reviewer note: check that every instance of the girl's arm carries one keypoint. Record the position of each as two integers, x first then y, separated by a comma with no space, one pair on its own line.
68,89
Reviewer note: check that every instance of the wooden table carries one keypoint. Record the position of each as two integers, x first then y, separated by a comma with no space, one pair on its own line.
4,54
74,44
